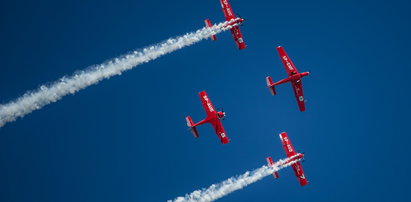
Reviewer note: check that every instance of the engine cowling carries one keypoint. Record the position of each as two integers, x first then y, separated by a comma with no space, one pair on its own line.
220,115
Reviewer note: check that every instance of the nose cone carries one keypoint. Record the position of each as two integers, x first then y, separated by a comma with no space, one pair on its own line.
220,114
305,74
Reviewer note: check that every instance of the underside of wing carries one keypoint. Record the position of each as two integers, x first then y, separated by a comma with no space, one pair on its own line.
299,173
299,94
288,147
207,105
288,64
220,131
238,37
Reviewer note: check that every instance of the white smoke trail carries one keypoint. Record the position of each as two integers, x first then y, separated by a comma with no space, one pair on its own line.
46,94
232,184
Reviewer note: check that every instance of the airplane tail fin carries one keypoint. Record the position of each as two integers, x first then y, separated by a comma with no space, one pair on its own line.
270,85
192,126
270,162
208,24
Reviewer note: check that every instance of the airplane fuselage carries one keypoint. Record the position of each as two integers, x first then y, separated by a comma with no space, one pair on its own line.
297,157
297,76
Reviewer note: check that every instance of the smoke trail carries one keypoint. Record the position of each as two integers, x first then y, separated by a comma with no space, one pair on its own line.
232,184
46,94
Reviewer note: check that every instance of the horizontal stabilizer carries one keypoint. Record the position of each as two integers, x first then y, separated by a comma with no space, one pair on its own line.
192,127
208,24
270,85
270,162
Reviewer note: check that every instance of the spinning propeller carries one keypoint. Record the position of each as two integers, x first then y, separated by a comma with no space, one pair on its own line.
221,110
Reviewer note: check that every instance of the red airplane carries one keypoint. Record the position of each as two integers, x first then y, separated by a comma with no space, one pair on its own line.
293,76
213,117
289,150
235,31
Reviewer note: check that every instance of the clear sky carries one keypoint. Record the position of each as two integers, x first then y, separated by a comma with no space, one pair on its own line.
125,139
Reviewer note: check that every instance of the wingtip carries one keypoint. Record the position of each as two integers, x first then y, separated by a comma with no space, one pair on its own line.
201,93
225,141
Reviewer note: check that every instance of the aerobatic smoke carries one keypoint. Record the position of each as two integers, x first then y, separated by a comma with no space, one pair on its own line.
46,94
216,191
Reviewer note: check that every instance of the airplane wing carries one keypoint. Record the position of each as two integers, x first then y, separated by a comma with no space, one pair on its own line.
207,105
227,10
288,147
299,173
299,94
288,64
238,37
219,130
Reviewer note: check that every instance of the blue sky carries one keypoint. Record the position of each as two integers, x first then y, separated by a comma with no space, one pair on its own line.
125,139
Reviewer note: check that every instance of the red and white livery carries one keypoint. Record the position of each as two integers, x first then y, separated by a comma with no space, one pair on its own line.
235,31
290,152
293,76
213,117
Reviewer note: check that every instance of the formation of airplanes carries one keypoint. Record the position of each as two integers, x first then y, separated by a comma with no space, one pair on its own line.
215,117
